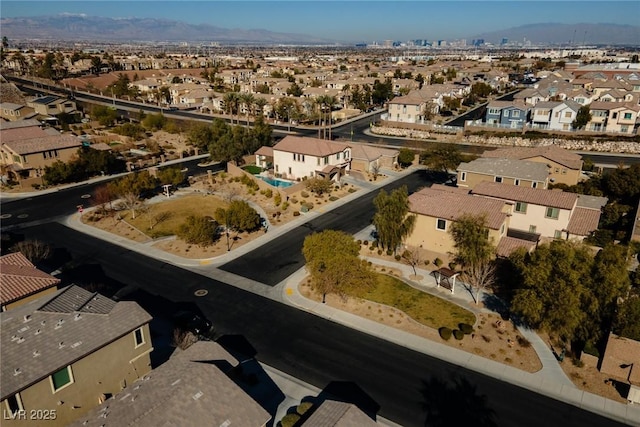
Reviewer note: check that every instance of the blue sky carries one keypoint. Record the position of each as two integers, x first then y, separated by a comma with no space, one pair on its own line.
356,20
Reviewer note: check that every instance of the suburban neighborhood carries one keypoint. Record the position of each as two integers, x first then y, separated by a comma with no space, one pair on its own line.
319,236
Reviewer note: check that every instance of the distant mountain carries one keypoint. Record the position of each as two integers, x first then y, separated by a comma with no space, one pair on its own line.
82,27
573,34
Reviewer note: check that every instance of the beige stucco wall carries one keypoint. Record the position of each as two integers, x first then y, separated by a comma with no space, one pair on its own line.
472,179
559,173
36,160
107,370
29,298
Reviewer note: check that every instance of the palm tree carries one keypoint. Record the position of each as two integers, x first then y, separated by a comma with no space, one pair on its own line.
248,100
326,102
260,103
230,103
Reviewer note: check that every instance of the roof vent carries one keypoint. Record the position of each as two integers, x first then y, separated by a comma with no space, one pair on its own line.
198,395
44,322
14,338
77,316
59,324
36,353
75,344
37,332
27,318
20,340
61,344
17,372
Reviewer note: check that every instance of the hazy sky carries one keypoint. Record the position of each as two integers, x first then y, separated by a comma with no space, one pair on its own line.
356,20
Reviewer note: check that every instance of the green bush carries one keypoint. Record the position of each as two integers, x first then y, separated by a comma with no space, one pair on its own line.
453,265
379,251
445,333
304,194
290,420
294,201
438,262
277,199
458,334
427,262
308,205
371,248
465,328
268,193
352,190
397,257
333,198
589,348
577,362
304,407
296,213
389,252
366,243
524,343
284,206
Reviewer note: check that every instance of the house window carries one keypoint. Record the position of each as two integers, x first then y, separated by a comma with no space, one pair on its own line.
515,114
627,116
318,161
14,404
516,181
276,168
501,229
463,176
346,155
557,234
624,129
532,229
506,113
614,116
404,109
498,179
61,379
338,156
441,224
521,207
567,115
534,184
494,111
326,160
139,337
289,171
552,213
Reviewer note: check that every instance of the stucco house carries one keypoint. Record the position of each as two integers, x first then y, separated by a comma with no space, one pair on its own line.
563,115
503,170
14,112
550,213
507,114
296,157
621,360
68,351
367,158
436,208
564,166
193,388
22,281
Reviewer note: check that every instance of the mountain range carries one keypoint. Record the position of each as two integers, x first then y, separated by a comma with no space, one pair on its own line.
80,27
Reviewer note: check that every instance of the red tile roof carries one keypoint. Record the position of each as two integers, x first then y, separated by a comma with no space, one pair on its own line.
509,244
265,151
583,221
310,146
452,205
535,196
19,278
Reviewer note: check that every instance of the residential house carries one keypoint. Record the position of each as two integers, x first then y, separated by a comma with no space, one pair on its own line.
507,114
623,119
68,351
22,281
26,149
599,115
367,158
541,114
504,171
531,96
47,106
563,115
621,361
297,157
436,208
14,112
193,388
408,108
564,166
338,414
549,213
264,157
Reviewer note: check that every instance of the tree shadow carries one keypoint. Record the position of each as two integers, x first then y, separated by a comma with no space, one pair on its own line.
92,278
455,403
348,392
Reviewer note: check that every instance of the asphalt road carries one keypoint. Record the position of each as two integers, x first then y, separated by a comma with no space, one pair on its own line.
318,351
282,256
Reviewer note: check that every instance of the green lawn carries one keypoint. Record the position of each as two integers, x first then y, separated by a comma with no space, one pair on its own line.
175,212
422,307
253,169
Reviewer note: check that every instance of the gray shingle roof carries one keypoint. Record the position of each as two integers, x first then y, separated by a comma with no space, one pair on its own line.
508,168
338,414
187,390
35,343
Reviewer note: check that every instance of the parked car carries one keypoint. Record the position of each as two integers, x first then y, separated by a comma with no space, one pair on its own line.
194,323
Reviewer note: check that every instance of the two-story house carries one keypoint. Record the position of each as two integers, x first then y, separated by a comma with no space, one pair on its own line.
541,114
623,118
564,166
66,352
52,106
194,387
296,157
22,281
507,114
436,208
563,115
14,112
551,213
503,170
599,115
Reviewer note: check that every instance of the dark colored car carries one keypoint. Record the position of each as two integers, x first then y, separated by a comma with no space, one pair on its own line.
194,323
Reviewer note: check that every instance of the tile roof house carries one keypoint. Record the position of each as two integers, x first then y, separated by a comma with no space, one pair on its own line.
621,360
13,112
563,115
332,413
366,158
436,208
550,213
68,350
21,281
507,114
191,389
564,166
296,157
503,170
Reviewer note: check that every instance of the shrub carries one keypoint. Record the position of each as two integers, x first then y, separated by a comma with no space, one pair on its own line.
379,251
453,265
277,199
577,362
333,198
352,190
366,243
284,206
445,333
458,334
304,194
524,343
290,420
359,242
294,201
296,213
304,407
427,262
397,257
371,248
308,205
268,193
465,328
389,252
438,262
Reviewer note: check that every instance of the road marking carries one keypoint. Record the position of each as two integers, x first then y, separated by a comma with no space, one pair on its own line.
5,216
205,262
85,196
201,292
23,216
289,291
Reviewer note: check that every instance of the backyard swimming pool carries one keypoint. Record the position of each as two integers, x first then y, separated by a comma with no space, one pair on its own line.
275,181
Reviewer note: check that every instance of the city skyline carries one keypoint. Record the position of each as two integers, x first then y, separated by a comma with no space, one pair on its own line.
348,21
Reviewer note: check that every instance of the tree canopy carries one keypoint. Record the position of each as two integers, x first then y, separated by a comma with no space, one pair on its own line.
198,230
332,261
239,216
442,157
392,220
405,157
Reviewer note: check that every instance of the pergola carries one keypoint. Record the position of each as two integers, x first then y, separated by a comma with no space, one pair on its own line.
446,276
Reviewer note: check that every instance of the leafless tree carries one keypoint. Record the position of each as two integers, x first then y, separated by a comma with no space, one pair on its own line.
480,275
183,339
131,201
34,250
412,258
375,169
